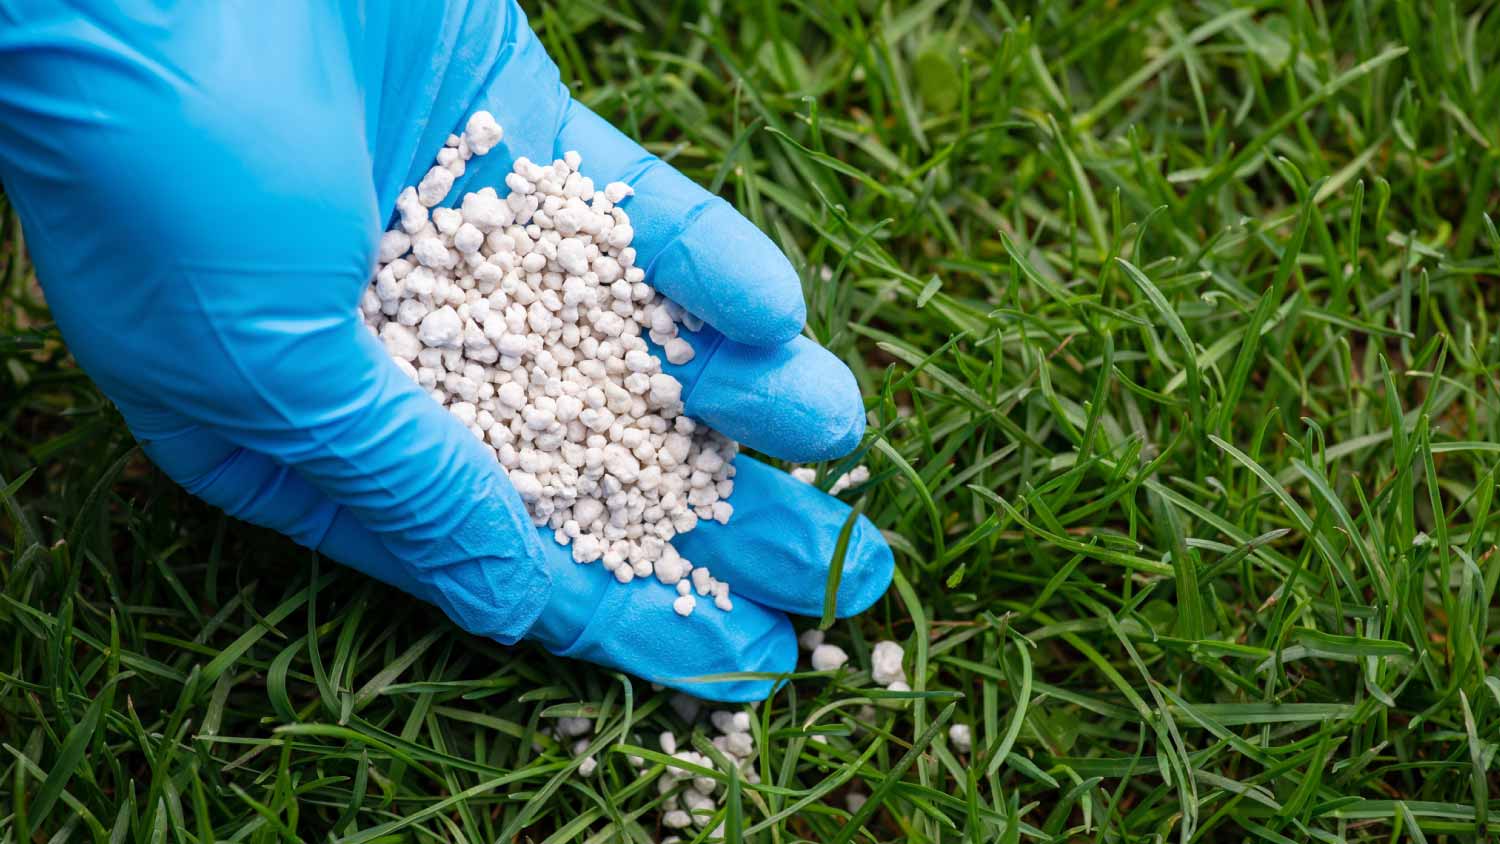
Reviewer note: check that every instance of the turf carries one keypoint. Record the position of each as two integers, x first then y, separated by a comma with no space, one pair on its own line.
1174,329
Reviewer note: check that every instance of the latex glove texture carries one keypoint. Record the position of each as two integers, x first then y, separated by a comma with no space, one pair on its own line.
202,188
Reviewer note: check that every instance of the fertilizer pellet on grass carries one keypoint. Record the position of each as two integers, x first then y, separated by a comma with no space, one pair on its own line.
962,737
885,663
689,799
527,318
810,639
828,658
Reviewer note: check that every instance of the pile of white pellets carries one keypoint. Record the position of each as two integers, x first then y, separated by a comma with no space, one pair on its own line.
527,318
697,803
690,799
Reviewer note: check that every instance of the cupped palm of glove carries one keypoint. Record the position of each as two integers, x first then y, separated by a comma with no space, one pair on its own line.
202,190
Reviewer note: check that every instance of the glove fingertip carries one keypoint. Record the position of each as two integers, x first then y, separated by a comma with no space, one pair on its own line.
774,652
843,426
795,402
773,309
757,294
869,576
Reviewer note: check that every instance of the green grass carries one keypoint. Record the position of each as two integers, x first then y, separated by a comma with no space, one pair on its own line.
1176,332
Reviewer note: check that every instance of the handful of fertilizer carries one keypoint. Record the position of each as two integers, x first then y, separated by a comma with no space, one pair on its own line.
527,318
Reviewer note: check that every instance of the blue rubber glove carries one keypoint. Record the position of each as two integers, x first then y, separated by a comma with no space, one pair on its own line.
202,189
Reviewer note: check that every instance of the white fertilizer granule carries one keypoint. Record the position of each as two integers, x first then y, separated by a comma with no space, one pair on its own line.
828,658
962,737
885,663
810,638
527,318
574,727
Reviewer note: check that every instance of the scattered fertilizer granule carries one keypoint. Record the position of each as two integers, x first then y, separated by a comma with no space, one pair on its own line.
527,318
589,765
828,658
885,663
962,737
574,727
810,639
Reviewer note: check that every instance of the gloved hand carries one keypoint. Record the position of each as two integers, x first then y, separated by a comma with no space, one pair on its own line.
202,189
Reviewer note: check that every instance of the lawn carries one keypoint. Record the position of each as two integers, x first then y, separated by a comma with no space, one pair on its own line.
1174,328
